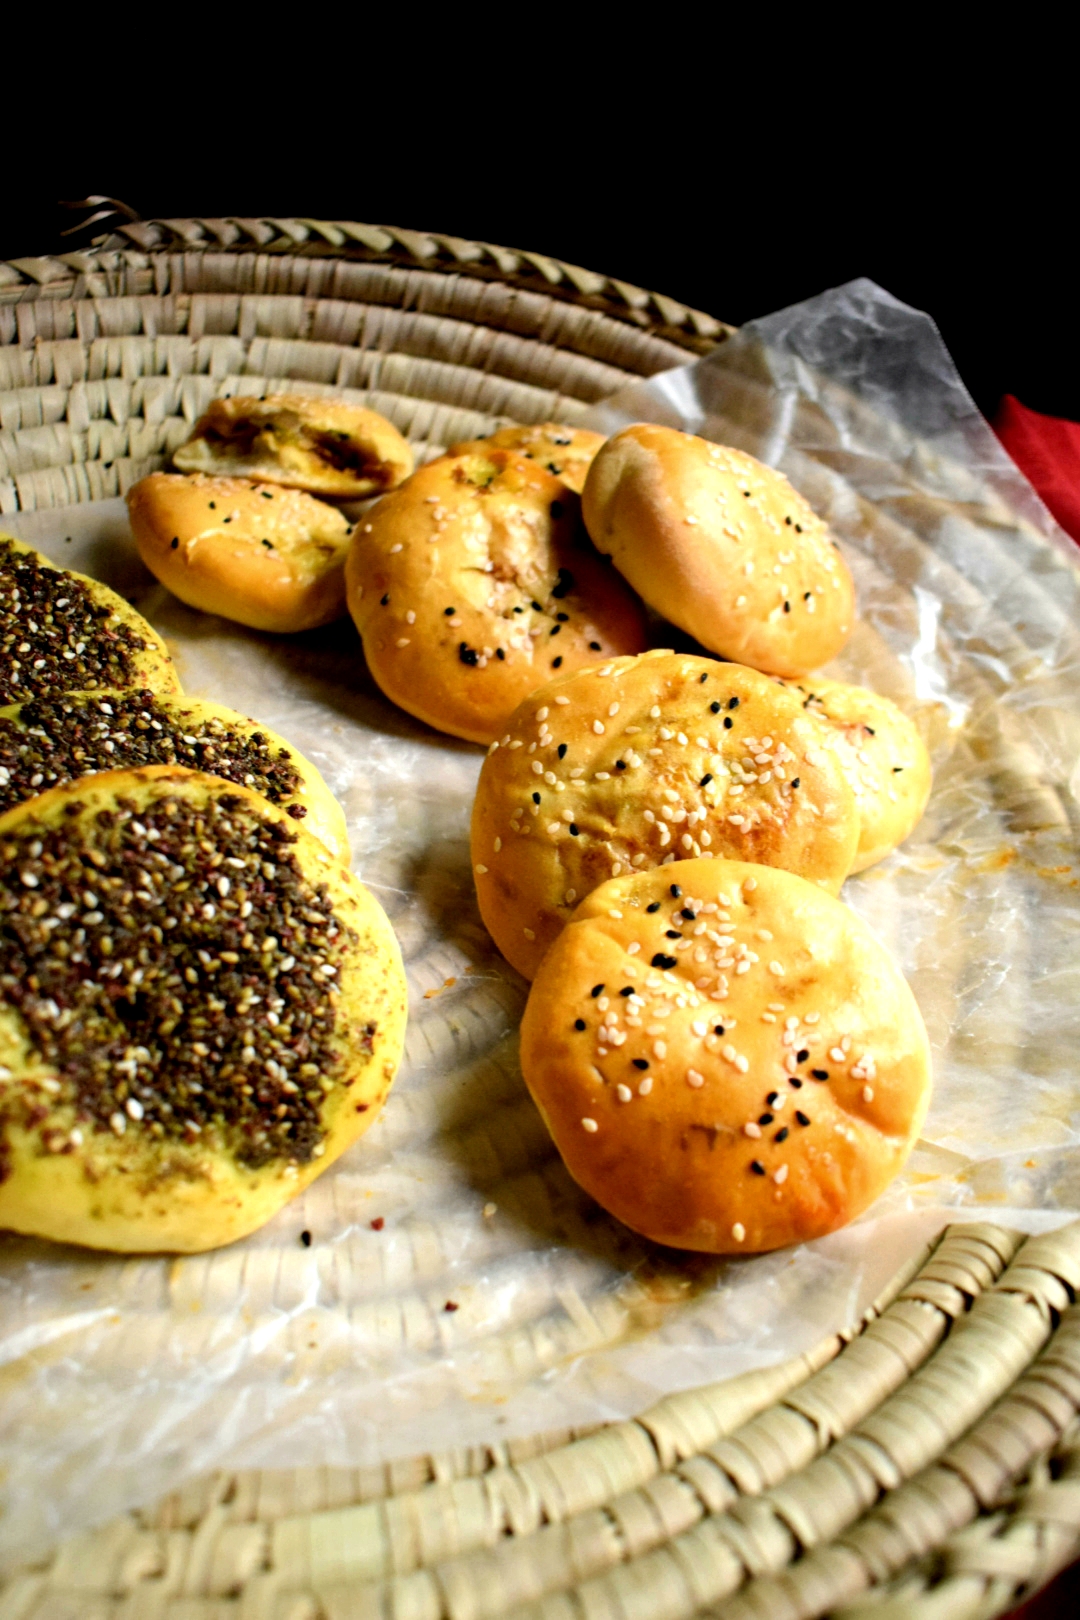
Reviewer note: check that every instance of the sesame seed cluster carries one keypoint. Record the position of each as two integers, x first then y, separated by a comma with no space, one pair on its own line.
61,738
174,966
54,635
565,452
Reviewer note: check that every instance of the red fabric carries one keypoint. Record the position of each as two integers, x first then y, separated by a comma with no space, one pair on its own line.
1047,451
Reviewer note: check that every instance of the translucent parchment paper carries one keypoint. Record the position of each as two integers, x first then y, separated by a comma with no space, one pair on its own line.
121,1378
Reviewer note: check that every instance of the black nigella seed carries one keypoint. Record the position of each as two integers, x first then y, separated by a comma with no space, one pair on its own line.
787,607
305,1238
714,708
820,1074
802,1055
579,1023
174,543
565,585
787,520
449,612
555,629
627,990
620,764
536,798
798,528
795,780
499,653
897,768
765,1119
561,750
563,618
675,892
672,933
654,907
596,990
467,654
556,663
640,1063
793,1080
706,779
594,646
802,1118
662,961
575,830
687,913
781,1135
733,703
384,601
537,606
772,1098
728,722
757,1167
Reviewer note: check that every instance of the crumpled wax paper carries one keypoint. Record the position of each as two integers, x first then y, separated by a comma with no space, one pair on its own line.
122,1377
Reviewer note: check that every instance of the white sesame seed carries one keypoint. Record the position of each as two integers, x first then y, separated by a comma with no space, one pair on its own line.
538,768
781,1175
598,727
480,870
402,641
693,1078
645,1087
590,1125
623,1093
489,1211
654,712
528,932
749,883
659,1049
633,948
777,968
613,709
397,548
836,1054
562,700
738,1232
867,1093
118,1123
700,1027
134,1108
752,1129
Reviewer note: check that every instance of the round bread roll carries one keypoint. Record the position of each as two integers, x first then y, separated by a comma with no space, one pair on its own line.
200,1009
61,631
52,740
324,446
722,546
564,451
474,583
883,756
732,1112
643,761
270,558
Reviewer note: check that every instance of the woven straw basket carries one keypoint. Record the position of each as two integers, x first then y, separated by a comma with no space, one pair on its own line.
926,1464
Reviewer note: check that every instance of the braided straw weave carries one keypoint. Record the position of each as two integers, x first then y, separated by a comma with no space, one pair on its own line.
926,1465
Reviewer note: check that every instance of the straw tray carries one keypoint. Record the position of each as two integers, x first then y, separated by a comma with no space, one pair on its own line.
926,1463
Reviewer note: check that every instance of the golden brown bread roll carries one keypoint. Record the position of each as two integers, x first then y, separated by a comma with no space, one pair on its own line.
52,740
267,557
732,1112
473,583
324,446
61,632
200,1009
564,451
883,757
644,760
722,546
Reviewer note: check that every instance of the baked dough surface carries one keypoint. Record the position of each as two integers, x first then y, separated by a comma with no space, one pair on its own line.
726,1057
267,557
474,583
564,451
200,1009
324,446
645,760
721,545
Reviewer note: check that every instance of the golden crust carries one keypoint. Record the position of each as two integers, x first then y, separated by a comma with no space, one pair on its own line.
324,446
209,728
267,557
883,757
641,760
718,543
730,1143
564,451
133,1191
151,665
473,583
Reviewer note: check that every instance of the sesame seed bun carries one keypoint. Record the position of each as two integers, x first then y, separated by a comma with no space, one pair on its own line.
642,761
722,546
474,583
53,740
267,557
324,446
732,1122
883,757
564,451
157,1088
62,631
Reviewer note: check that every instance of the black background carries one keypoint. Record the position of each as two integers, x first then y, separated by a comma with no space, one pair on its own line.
947,231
